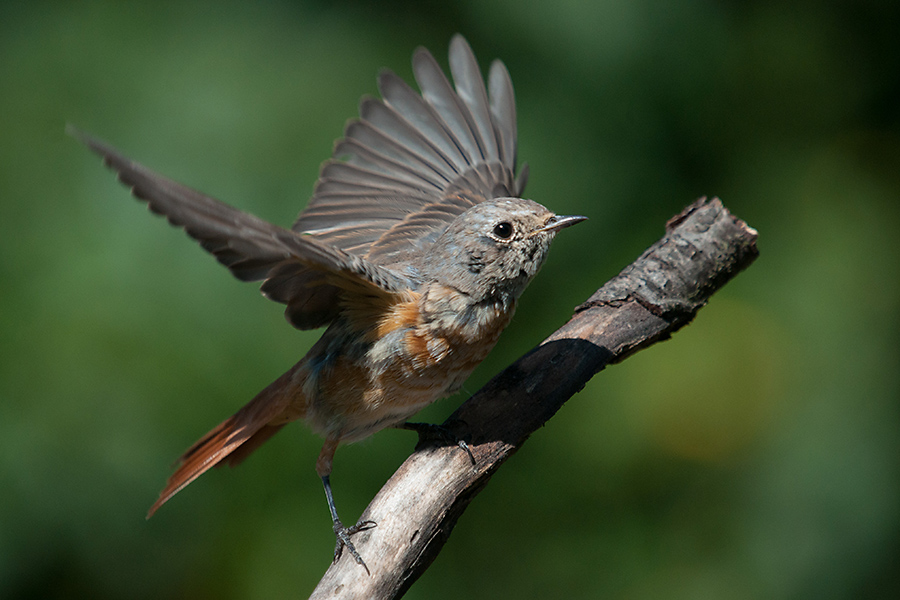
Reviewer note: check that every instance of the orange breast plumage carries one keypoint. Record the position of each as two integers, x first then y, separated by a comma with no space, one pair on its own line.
420,350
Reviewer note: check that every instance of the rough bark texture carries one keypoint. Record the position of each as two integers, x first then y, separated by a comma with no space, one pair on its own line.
659,293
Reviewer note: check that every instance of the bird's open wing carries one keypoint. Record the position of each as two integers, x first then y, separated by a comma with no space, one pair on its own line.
404,170
411,163
251,248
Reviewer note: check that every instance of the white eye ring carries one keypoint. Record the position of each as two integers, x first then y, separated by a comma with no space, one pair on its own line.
503,230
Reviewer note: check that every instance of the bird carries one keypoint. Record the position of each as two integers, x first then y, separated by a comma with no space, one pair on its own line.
412,254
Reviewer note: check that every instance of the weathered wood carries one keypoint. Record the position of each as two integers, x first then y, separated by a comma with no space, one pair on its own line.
704,247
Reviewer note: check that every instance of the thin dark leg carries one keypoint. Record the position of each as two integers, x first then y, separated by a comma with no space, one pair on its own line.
343,533
432,431
323,468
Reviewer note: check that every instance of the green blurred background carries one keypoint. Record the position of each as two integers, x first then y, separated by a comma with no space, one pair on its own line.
754,455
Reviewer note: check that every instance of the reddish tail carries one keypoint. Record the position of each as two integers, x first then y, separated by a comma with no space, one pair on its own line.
236,437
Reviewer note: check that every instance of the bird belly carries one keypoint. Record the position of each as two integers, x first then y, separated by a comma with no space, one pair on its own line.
393,377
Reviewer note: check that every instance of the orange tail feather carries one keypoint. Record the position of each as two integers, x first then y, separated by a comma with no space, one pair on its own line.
236,437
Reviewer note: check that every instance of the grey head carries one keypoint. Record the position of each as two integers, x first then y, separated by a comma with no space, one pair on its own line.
493,250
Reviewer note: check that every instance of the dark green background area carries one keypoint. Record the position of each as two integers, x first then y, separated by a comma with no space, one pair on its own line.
754,455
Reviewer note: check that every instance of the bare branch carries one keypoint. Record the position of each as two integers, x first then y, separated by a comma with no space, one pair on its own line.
704,247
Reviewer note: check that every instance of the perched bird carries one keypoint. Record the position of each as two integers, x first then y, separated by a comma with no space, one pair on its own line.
413,251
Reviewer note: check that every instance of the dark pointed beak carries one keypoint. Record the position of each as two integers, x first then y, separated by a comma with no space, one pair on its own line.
558,222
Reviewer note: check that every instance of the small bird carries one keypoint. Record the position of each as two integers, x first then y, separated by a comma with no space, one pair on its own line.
412,252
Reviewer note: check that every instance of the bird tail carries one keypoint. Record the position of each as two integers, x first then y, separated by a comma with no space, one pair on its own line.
235,438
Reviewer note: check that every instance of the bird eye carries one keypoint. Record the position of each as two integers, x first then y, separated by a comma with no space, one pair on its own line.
503,230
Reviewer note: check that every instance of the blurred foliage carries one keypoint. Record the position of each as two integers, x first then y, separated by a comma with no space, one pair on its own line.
754,455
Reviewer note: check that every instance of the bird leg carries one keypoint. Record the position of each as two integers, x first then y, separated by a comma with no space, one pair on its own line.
342,533
438,433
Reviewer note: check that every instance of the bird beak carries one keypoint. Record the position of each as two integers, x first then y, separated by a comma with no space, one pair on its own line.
557,222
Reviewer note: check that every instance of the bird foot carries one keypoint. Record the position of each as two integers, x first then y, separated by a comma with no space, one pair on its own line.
440,434
343,540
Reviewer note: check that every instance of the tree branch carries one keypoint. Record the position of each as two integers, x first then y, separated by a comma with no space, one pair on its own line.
704,247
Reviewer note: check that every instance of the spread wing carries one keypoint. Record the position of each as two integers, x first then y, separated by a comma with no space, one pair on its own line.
411,163
408,166
403,171
251,248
